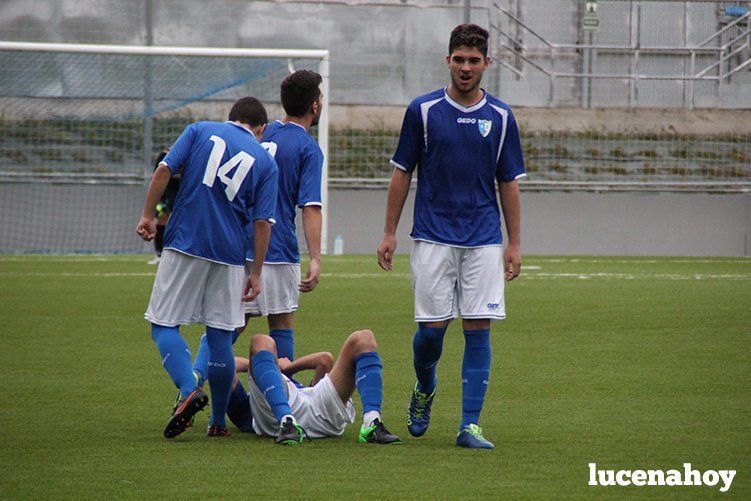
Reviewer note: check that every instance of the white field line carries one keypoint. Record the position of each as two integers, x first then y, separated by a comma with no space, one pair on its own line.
739,260
638,276
528,264
70,274
383,275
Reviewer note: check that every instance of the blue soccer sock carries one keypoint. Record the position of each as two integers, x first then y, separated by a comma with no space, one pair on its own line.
369,380
201,363
238,409
175,357
285,342
427,346
221,372
269,380
475,374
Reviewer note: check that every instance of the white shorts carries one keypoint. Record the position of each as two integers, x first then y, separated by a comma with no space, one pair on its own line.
191,290
449,282
280,292
318,409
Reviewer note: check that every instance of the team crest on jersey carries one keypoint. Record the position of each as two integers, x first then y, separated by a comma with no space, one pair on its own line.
484,126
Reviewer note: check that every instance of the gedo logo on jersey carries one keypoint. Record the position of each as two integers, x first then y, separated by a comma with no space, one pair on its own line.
484,126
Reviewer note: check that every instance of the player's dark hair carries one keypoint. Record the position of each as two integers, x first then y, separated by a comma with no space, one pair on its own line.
469,35
299,91
248,110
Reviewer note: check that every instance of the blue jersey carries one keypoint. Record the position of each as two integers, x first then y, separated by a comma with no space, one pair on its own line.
227,179
461,152
300,161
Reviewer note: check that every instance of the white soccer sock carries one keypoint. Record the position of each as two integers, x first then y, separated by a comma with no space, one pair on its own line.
369,417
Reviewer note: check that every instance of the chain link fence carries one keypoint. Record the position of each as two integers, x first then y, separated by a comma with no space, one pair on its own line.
62,121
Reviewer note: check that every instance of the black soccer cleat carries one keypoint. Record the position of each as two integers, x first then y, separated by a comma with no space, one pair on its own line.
377,433
184,412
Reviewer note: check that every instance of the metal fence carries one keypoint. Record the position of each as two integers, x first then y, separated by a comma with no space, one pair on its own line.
651,54
625,53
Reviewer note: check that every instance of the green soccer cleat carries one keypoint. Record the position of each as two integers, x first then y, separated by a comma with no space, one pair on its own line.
290,433
377,433
471,437
419,412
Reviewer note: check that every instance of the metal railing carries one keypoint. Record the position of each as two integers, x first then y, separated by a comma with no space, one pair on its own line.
728,58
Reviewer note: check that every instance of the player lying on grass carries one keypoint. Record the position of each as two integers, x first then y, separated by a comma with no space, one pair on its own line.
283,410
278,406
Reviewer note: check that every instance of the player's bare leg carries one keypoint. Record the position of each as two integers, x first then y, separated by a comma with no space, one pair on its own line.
359,367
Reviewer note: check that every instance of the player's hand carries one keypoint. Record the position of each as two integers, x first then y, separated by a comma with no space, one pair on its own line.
146,228
512,262
283,363
386,251
312,277
252,287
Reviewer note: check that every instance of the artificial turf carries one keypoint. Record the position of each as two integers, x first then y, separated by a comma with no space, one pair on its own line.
632,363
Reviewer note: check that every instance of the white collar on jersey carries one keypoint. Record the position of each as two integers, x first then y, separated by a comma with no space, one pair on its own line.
464,109
292,123
241,126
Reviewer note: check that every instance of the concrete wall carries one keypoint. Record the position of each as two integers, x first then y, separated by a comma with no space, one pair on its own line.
669,224
97,218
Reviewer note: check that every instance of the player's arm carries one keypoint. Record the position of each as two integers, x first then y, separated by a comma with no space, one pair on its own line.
509,169
261,237
511,206
312,221
309,199
320,362
147,225
397,196
405,160
242,364
263,214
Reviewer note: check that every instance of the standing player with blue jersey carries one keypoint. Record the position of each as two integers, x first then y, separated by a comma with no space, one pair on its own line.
461,140
300,161
227,180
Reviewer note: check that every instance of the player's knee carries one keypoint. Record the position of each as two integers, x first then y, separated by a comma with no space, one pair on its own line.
327,360
261,342
364,340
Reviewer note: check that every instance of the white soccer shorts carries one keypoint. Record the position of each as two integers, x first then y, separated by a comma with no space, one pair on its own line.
449,282
191,290
280,292
318,409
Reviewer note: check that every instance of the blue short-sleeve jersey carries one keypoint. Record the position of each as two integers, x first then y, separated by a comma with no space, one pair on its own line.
300,162
459,154
227,180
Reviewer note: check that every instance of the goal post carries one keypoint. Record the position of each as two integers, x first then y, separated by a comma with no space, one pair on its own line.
90,114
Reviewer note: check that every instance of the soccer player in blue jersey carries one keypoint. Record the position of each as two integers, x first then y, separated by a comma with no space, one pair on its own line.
300,161
228,179
461,140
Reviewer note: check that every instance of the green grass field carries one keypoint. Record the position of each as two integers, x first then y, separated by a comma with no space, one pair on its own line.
632,363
